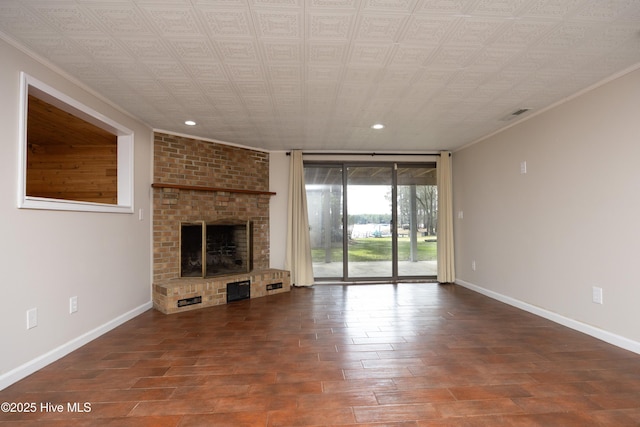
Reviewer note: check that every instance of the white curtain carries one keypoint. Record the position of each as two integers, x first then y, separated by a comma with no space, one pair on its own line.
298,257
446,264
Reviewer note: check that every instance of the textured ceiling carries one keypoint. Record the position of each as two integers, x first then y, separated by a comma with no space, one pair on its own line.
316,74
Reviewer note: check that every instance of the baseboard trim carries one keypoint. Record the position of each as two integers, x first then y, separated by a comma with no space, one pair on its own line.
40,362
598,333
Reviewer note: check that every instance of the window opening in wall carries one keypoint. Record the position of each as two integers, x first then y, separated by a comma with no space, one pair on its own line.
71,157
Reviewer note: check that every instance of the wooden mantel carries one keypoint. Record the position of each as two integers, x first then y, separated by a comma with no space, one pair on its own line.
202,188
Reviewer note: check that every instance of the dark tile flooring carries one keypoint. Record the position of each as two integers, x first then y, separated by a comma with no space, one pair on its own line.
360,355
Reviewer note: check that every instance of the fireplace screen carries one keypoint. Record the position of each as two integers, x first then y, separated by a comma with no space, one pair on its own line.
215,249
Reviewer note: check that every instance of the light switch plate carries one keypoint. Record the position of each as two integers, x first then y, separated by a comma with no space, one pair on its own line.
523,167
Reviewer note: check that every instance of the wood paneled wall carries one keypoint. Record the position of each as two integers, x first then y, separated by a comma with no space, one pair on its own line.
69,158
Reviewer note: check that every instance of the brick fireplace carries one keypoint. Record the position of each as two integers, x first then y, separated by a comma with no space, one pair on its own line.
203,182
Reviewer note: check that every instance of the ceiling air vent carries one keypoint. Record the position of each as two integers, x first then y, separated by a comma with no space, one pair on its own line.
515,114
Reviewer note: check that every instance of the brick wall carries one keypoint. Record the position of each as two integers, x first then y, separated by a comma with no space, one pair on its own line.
187,161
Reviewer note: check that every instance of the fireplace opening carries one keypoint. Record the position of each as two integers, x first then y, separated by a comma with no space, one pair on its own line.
215,249
191,238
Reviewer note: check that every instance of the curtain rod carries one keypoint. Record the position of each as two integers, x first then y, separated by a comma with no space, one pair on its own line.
372,154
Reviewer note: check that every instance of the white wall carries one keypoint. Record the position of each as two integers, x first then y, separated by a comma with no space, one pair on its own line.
543,239
278,183
49,256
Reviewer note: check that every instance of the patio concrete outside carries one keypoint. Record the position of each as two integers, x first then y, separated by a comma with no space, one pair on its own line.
376,269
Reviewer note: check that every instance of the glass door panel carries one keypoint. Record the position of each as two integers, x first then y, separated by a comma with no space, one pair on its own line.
369,231
324,204
416,210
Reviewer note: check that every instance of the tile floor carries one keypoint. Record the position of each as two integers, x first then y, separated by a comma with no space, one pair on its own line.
362,355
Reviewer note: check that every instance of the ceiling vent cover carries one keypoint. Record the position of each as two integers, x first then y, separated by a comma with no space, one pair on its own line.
515,114
520,111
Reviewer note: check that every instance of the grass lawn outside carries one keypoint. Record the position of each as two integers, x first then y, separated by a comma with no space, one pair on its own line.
379,249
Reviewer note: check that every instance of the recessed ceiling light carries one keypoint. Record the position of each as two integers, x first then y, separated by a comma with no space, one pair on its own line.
190,123
377,126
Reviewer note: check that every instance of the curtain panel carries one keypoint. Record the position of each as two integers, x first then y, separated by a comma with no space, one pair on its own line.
446,264
298,255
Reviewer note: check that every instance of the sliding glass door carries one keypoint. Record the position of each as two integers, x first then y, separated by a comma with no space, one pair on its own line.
372,221
369,217
325,201
417,214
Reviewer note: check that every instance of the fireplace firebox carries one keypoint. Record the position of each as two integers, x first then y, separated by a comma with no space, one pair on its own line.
215,249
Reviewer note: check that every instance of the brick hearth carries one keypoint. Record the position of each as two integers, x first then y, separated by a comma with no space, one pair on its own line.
213,290
198,180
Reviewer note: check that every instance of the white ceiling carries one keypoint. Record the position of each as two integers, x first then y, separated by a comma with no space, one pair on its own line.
316,74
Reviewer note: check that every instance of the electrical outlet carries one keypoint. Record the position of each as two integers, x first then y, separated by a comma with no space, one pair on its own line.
32,318
473,265
597,295
460,214
73,305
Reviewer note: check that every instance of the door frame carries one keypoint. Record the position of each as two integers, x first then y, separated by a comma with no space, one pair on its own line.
393,165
